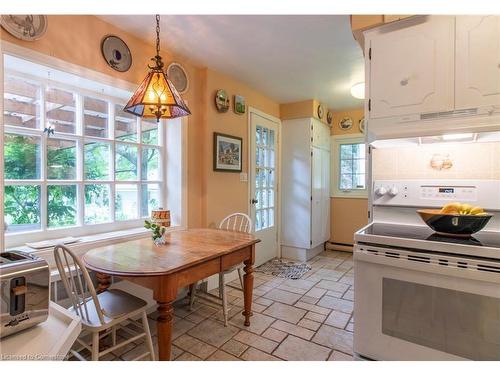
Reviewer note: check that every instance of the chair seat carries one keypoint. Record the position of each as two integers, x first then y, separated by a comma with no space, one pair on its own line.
115,304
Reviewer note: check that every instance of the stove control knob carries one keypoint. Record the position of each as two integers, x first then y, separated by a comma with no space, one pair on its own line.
393,191
381,191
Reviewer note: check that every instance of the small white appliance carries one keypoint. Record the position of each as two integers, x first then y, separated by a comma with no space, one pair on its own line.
420,295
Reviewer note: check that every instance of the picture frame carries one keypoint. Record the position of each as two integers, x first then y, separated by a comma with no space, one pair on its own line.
228,152
239,105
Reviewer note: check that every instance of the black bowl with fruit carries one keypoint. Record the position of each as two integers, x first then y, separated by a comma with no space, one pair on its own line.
455,219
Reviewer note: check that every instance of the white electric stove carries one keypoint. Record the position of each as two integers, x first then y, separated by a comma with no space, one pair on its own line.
420,295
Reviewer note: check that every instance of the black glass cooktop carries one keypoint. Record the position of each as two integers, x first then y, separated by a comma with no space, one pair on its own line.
410,232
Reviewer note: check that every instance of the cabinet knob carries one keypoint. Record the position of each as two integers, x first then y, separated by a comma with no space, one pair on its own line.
404,82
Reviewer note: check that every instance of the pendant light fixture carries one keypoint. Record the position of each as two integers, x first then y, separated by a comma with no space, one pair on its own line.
157,97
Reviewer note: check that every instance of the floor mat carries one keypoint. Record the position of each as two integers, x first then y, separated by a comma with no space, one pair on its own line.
284,269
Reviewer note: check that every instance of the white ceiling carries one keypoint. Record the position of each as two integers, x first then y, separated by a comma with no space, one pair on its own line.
288,58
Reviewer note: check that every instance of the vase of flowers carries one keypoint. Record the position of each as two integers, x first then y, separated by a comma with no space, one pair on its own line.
157,231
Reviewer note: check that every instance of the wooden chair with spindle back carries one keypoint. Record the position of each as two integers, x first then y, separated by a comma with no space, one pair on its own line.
101,314
237,222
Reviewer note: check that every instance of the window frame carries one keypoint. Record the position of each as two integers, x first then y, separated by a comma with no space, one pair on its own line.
80,138
337,141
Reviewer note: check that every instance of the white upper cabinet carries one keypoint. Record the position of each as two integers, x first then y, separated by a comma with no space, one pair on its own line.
411,67
320,134
477,61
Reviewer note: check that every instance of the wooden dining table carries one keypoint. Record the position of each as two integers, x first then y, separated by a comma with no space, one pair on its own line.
186,257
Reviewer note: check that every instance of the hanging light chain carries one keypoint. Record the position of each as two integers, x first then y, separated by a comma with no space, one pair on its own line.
158,35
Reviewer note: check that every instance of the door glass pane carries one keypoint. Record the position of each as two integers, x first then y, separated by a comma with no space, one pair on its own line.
22,157
271,138
270,196
265,221
97,160
60,106
258,130
258,197
21,103
271,217
95,117
97,204
258,220
150,198
150,164
264,136
264,198
22,208
270,178
61,202
125,201
61,159
125,162
448,320
125,125
149,131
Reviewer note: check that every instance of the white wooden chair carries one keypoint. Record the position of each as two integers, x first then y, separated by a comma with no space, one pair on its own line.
237,222
101,314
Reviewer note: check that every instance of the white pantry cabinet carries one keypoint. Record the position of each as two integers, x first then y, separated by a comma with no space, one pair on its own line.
411,67
477,61
305,197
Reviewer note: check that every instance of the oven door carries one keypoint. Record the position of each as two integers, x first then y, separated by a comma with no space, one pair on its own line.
425,306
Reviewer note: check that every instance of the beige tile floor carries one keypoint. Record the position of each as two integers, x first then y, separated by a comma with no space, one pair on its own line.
309,319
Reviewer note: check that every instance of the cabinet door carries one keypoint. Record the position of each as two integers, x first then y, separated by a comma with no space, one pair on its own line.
477,61
320,134
317,197
411,67
325,207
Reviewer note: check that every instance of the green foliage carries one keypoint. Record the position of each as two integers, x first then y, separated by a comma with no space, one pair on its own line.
22,157
22,204
158,230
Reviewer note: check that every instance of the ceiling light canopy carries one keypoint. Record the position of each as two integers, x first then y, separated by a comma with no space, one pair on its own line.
358,90
157,97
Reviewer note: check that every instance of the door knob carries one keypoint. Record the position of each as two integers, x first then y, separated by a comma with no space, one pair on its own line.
254,201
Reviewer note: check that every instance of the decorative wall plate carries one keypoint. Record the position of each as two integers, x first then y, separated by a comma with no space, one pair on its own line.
321,111
25,26
345,123
362,124
177,74
116,53
329,117
221,101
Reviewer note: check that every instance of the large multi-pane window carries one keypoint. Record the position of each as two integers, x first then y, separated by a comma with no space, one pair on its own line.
101,165
349,174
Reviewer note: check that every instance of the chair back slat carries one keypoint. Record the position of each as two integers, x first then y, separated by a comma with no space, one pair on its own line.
77,282
237,222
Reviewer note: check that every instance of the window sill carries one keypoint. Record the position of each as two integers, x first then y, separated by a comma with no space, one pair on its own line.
87,243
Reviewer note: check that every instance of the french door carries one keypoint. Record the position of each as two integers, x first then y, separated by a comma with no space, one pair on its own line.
263,179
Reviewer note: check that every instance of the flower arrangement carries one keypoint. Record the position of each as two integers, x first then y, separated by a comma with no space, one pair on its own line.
158,231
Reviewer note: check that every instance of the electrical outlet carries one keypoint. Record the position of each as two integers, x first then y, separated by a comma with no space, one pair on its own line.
243,177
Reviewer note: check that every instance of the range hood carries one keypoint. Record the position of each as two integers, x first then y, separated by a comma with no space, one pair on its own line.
474,120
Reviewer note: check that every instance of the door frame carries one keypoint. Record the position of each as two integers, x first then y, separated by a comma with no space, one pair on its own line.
251,171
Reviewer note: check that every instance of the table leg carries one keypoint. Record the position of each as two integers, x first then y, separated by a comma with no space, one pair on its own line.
103,280
164,329
248,290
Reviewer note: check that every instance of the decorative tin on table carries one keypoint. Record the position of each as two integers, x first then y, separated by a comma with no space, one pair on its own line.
161,217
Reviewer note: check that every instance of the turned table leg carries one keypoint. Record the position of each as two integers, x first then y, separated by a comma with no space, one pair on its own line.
248,290
164,329
103,282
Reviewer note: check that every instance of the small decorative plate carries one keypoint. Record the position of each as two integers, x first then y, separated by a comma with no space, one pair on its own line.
345,123
321,111
178,76
221,101
116,53
362,124
28,27
329,117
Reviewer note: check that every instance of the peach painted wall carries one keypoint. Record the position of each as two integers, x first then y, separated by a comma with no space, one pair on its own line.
223,193
77,39
347,214
302,109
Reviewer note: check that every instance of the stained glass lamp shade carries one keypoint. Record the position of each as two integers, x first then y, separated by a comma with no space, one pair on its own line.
157,97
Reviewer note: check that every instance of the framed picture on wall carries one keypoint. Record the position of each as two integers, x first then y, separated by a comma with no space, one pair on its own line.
227,153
